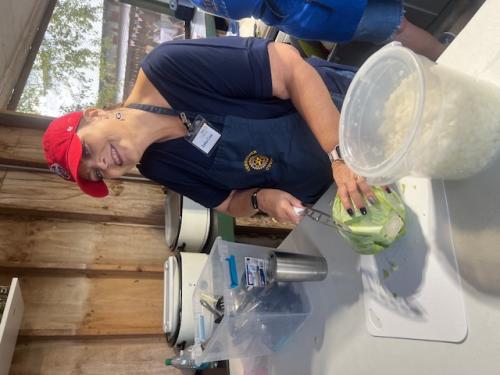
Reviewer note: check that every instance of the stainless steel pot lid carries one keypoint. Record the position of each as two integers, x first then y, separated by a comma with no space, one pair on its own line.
173,218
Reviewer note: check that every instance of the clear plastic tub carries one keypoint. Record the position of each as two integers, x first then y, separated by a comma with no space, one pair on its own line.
259,316
404,115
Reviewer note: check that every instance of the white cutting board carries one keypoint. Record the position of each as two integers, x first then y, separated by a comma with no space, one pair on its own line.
413,289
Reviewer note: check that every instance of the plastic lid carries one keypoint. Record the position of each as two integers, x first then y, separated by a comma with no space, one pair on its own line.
367,140
173,218
172,302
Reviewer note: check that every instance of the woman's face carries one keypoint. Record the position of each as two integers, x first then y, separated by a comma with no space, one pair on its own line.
108,150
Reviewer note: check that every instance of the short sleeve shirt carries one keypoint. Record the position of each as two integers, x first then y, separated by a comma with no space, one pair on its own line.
228,75
222,76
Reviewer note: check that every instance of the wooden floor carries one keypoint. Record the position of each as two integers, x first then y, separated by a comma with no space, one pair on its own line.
102,356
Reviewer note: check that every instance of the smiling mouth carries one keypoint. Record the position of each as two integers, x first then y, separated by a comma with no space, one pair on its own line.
116,156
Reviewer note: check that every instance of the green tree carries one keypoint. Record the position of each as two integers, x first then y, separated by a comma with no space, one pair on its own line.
68,54
108,86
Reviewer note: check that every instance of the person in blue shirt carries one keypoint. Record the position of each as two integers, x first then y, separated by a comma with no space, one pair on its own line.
236,124
375,21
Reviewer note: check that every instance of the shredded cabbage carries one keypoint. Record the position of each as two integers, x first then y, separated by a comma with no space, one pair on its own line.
459,131
384,223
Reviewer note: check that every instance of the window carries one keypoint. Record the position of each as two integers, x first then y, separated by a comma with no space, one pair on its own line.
91,52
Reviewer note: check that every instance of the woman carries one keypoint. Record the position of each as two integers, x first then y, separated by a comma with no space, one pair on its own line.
238,125
375,21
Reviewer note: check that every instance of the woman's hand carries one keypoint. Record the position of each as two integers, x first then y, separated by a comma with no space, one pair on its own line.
351,187
279,205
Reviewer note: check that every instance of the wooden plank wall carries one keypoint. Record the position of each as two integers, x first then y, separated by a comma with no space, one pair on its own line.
91,270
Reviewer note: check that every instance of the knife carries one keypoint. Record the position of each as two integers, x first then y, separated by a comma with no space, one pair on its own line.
319,216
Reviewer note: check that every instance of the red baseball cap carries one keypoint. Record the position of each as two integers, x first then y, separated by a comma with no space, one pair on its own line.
63,151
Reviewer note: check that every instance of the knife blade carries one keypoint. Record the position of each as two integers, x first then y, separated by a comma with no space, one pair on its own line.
319,216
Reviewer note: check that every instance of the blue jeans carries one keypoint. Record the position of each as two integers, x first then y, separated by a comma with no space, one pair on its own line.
380,21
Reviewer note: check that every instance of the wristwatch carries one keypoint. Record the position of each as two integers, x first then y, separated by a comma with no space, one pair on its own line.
335,154
253,198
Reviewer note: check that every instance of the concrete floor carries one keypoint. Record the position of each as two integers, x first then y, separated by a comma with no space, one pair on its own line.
455,16
452,18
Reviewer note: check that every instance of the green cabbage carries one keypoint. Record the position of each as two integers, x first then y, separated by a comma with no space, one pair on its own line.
378,229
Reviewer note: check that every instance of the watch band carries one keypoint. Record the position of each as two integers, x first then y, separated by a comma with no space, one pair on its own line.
335,154
253,198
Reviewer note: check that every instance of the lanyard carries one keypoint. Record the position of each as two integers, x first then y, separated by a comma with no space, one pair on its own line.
200,133
186,116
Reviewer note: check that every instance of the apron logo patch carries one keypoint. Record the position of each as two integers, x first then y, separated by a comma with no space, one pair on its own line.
256,162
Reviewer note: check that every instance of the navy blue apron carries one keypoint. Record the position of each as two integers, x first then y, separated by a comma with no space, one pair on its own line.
280,153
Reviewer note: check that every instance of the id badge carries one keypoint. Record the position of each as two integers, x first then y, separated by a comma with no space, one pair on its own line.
202,135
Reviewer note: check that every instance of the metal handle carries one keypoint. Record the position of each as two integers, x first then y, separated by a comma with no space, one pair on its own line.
210,308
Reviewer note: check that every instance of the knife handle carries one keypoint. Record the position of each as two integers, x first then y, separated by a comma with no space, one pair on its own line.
301,211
